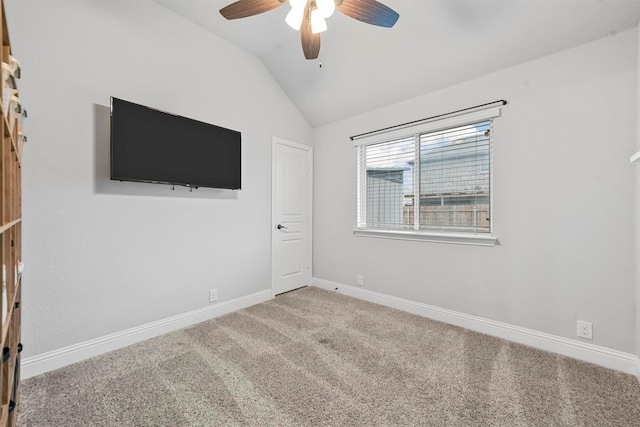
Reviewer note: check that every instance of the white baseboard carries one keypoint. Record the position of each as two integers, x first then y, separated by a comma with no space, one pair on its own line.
39,364
613,359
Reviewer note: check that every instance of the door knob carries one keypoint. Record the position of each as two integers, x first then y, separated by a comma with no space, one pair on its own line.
281,227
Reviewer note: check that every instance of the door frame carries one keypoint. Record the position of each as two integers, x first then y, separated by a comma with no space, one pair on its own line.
275,142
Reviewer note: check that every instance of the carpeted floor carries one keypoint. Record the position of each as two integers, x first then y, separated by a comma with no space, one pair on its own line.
317,358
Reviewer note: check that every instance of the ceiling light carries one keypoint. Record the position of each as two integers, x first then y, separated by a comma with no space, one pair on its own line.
318,24
294,18
326,7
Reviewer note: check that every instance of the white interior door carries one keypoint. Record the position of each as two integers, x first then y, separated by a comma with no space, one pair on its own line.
291,215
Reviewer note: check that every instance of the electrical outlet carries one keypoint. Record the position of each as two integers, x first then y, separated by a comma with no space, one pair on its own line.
585,330
213,295
360,280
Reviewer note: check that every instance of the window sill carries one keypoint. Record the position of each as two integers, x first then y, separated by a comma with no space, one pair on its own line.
453,238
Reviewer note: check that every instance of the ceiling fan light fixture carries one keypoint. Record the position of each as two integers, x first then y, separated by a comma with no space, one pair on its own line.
294,18
298,4
308,16
318,24
326,7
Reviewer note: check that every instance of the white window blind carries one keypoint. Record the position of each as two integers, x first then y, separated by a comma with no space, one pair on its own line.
430,181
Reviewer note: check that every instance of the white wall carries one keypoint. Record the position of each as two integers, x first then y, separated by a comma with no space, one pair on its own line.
636,167
563,201
103,256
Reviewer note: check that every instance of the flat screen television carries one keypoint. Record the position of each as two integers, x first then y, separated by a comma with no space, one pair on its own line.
148,145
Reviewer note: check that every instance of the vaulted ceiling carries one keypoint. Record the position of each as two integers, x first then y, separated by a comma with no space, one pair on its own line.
434,44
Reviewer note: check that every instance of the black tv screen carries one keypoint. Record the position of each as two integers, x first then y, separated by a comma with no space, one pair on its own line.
149,145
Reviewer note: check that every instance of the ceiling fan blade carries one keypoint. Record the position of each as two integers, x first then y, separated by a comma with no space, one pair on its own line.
245,8
310,41
369,11
311,45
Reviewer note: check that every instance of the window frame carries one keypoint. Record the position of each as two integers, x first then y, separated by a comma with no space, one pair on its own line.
455,237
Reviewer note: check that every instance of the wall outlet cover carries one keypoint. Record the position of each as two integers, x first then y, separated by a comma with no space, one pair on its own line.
213,295
585,330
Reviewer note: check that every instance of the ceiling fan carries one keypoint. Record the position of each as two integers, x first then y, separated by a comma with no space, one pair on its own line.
309,16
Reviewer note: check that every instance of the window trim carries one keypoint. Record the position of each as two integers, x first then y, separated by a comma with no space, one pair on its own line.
463,238
474,239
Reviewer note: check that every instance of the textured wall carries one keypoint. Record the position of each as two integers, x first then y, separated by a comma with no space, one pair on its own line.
636,168
103,256
563,200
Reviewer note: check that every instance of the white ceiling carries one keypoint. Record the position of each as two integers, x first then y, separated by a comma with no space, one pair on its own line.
434,44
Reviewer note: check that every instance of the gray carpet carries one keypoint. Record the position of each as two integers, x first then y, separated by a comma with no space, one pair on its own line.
317,358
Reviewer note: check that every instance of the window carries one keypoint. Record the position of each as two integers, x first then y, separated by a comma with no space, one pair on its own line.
432,182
